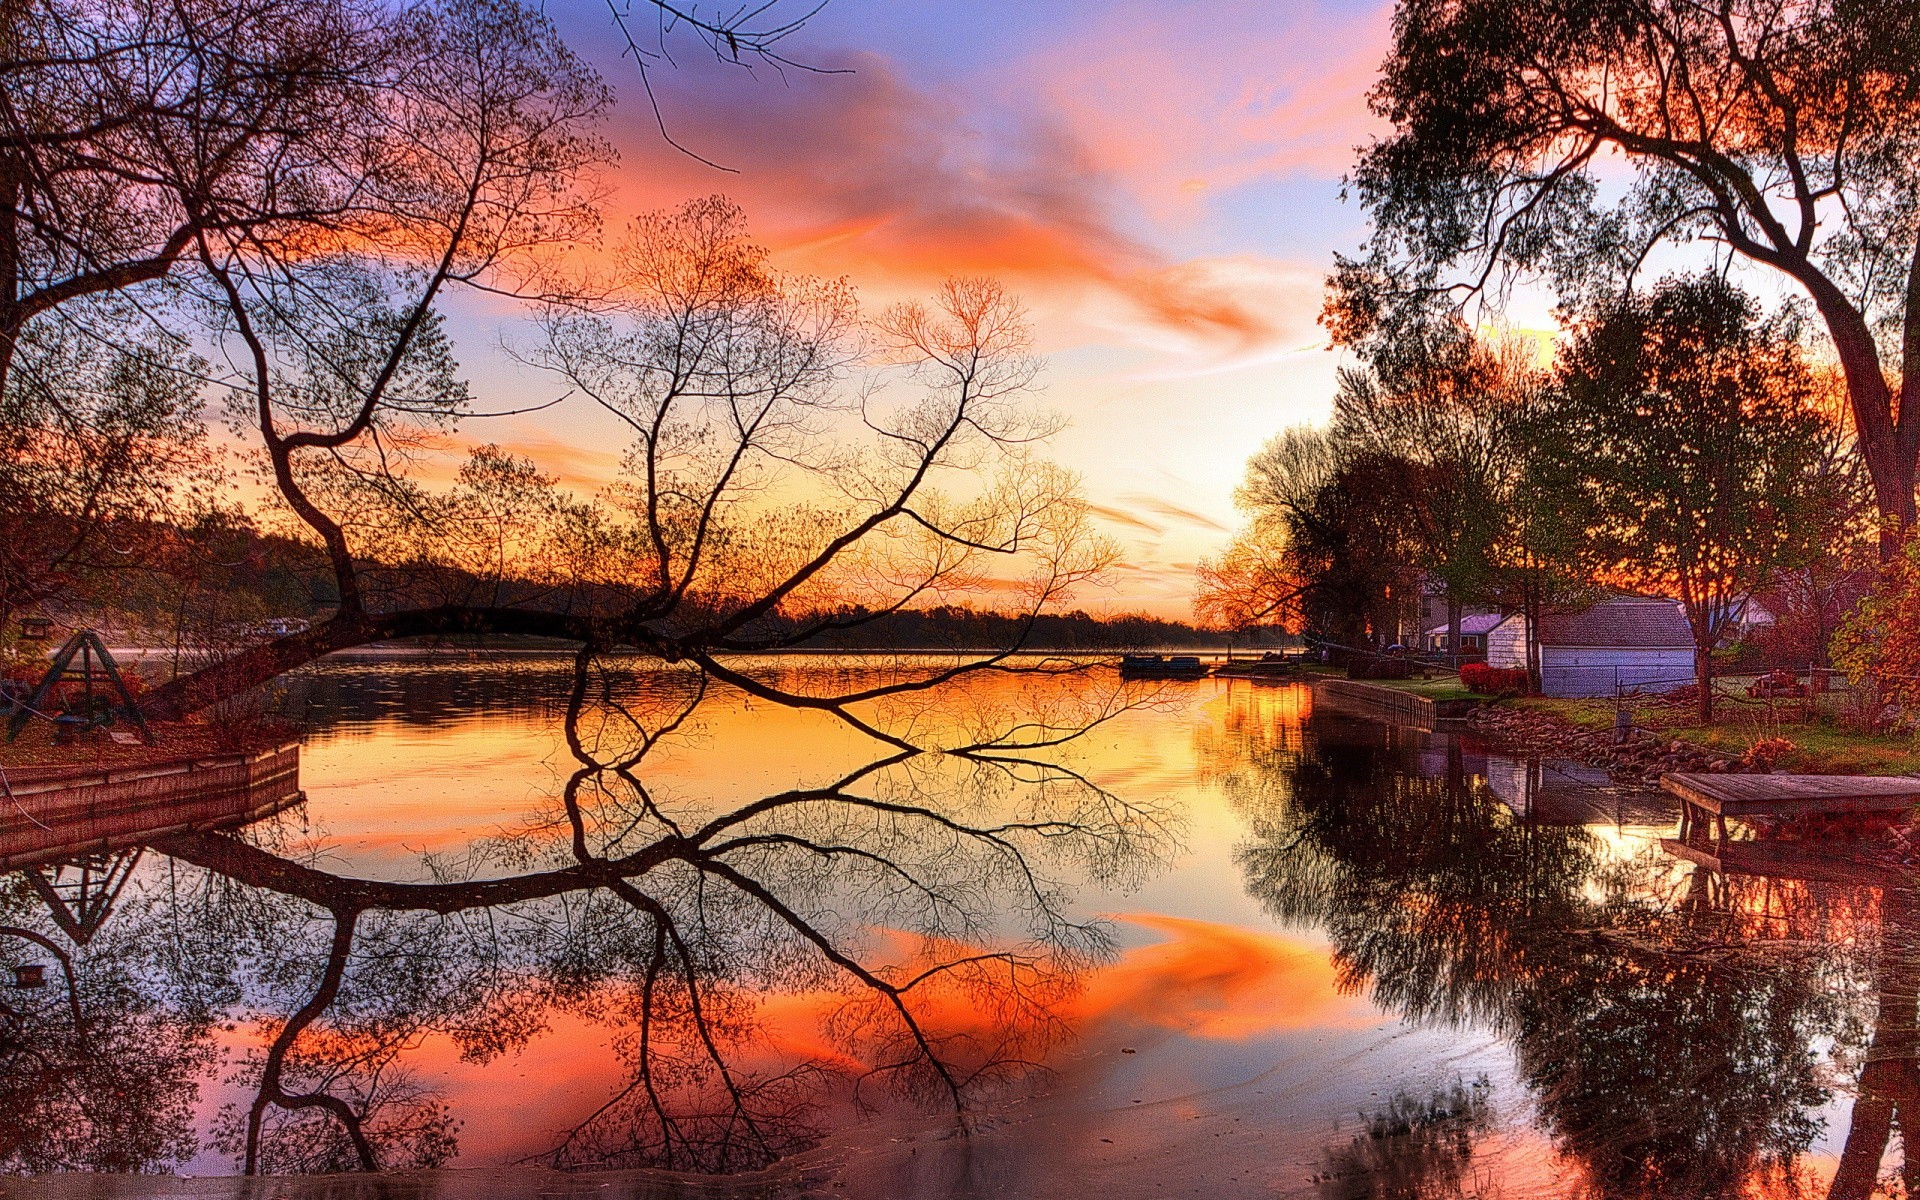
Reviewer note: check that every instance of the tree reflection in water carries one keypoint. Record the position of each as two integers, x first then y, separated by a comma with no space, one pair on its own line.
918,901
1667,1022
1677,1028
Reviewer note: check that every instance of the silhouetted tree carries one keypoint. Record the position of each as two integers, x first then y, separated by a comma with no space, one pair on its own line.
1781,134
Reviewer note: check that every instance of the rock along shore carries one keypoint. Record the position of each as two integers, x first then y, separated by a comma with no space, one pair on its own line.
1641,759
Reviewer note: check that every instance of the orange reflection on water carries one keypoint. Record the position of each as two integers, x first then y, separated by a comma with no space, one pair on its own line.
1220,981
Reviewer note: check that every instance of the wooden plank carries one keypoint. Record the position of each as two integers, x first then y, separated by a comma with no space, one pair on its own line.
1793,795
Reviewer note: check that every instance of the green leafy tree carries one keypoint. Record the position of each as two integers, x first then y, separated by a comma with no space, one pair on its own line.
1687,440
1780,132
1327,549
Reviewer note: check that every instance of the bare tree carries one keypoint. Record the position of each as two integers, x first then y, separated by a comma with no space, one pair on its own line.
769,491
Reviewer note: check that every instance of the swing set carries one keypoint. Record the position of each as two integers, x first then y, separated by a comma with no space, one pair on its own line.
96,709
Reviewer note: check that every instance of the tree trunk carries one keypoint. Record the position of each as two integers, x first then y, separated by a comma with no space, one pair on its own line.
1531,640
256,665
1890,1079
1453,629
1888,440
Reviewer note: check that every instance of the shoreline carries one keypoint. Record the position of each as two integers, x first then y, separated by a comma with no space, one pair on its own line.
1640,760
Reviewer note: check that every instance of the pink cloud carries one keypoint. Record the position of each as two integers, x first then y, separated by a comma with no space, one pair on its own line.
864,175
1184,99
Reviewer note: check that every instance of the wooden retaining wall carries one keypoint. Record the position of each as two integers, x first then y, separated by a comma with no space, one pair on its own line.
1387,704
51,816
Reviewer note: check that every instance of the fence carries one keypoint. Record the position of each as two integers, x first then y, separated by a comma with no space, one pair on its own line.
1611,681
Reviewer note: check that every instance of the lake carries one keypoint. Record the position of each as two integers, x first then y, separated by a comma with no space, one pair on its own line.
630,931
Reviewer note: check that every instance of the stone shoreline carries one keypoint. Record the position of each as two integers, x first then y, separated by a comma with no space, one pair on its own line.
1640,760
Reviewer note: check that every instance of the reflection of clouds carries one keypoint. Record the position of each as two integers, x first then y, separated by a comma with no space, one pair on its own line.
1205,980
1219,981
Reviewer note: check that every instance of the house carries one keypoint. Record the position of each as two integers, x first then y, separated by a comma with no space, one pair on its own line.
1748,616
1474,628
1632,643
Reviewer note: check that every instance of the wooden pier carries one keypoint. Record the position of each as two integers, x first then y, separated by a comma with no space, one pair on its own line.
48,816
1708,800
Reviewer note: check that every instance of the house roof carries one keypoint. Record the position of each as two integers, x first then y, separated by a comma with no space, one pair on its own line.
1639,623
1473,623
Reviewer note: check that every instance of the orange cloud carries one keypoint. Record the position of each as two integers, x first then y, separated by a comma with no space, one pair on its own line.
864,175
1120,516
1175,512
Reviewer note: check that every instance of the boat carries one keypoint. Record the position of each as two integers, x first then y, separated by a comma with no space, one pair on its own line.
1267,666
1155,666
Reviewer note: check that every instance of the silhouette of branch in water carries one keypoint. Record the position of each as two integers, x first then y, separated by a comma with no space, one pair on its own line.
884,892
270,1091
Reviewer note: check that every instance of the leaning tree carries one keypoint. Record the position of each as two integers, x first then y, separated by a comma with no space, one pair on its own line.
792,467
1573,140
140,142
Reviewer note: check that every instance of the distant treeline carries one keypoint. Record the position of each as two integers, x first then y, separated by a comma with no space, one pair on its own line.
228,575
956,627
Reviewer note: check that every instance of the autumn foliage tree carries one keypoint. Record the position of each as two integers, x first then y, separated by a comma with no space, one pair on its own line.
1878,643
1410,484
1569,141
1686,440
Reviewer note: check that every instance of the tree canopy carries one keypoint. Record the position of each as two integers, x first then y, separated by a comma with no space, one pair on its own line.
1686,439
1781,133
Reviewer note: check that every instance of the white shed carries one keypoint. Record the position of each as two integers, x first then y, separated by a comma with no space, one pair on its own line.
1621,642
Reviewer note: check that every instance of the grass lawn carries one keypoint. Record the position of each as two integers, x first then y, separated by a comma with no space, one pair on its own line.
1823,746
1440,687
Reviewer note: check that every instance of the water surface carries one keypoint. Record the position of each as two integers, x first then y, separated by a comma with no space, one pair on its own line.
1221,944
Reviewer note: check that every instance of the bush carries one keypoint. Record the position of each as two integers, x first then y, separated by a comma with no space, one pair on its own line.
1880,639
1494,681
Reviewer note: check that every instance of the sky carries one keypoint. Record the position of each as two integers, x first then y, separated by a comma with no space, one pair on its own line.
1158,183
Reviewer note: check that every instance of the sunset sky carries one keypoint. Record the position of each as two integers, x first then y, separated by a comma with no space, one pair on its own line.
1159,183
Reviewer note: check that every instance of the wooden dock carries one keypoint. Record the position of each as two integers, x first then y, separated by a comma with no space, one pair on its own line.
51,816
1711,799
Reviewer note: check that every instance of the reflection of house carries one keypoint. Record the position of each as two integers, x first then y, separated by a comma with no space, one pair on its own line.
1622,643
1567,793
1473,634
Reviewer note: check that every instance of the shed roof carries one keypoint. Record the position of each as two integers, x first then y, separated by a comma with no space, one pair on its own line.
1474,623
1625,622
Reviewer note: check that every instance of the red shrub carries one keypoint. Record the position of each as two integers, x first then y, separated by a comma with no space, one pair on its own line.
1493,681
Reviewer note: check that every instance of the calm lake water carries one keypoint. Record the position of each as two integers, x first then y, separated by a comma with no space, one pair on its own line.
1221,945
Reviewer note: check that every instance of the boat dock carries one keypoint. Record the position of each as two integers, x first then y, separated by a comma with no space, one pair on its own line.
1843,865
1706,801
47,816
